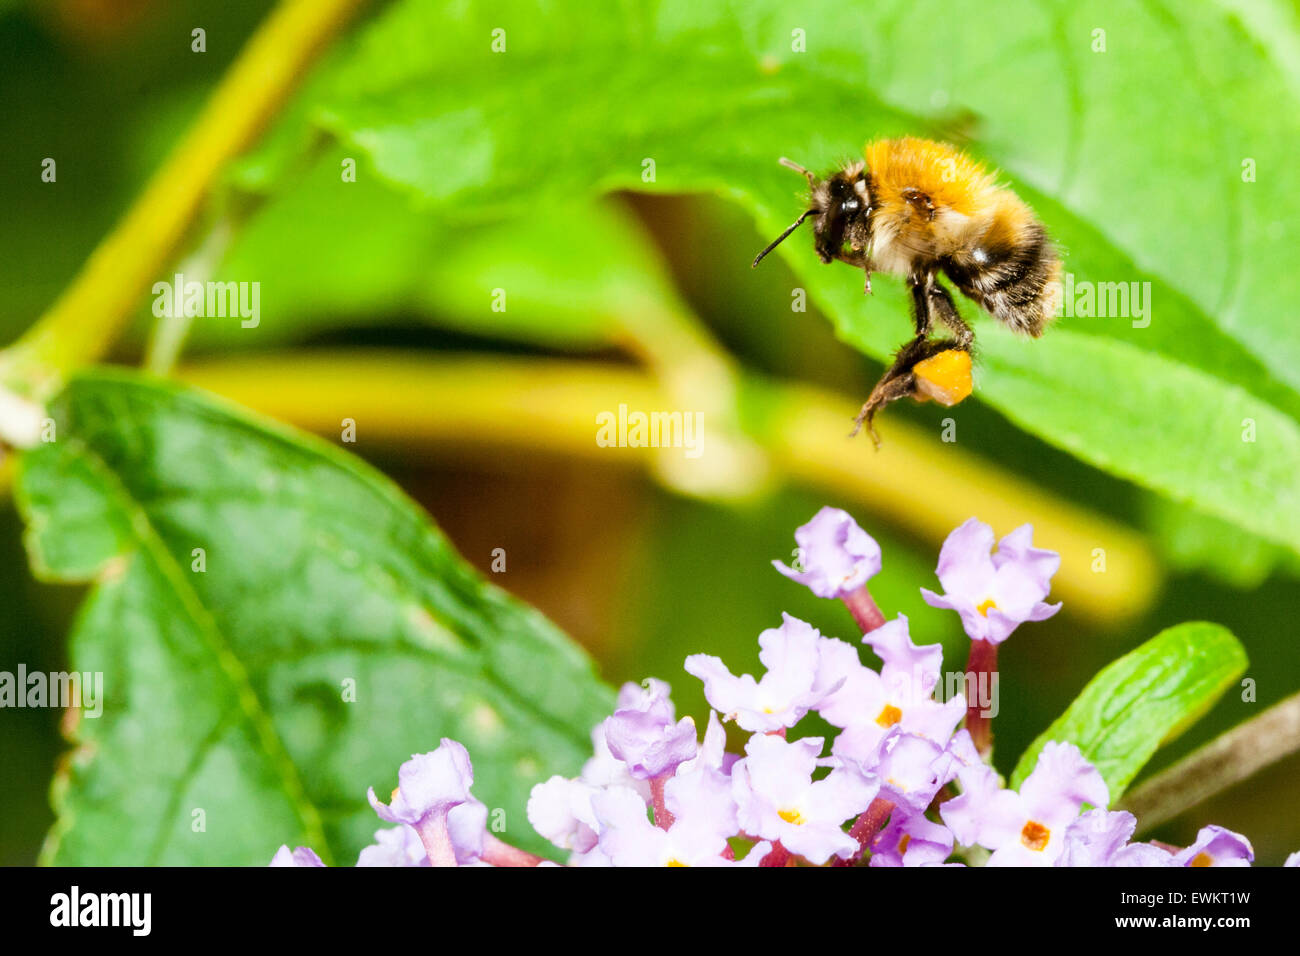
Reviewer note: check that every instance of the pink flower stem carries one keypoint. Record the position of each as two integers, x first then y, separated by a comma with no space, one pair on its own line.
866,826
980,667
499,853
437,840
863,608
663,819
777,856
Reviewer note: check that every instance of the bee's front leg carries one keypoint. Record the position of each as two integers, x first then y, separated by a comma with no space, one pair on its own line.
862,259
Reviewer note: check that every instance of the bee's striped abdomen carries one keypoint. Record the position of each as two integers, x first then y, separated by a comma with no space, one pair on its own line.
1013,272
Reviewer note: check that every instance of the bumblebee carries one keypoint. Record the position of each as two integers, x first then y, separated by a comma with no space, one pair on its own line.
917,208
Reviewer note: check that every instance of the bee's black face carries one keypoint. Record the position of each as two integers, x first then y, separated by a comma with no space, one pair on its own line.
841,209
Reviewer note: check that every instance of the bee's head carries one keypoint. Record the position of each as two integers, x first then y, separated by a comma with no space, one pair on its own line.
841,204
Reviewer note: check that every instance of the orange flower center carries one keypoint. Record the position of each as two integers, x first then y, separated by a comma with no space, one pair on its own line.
889,715
791,816
985,606
1202,859
1035,835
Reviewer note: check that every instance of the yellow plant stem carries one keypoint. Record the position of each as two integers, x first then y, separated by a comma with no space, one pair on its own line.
87,318
480,405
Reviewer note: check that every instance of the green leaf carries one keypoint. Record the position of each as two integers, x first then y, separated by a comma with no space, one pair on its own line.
1185,432
227,689
1195,542
1132,147
1143,700
331,253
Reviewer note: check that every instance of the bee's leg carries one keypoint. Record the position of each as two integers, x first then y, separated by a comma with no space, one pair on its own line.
929,300
942,307
898,382
861,259
922,306
886,391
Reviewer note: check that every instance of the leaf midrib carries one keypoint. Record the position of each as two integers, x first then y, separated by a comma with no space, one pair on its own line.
248,703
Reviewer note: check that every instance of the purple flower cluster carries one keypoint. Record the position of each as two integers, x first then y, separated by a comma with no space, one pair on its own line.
899,785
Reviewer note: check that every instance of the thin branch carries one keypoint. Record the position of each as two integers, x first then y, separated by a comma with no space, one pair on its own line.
1223,762
168,335
478,405
90,314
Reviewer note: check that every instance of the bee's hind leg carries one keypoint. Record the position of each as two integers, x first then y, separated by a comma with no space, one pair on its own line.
887,390
924,369
898,382
943,308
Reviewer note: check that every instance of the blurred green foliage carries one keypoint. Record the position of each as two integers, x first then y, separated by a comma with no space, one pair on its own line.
479,170
234,564
1145,699
709,95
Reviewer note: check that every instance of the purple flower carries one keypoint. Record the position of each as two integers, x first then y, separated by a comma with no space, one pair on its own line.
899,654
603,769
395,846
433,796
701,788
1026,828
842,668
907,765
1100,838
577,816
428,783
561,811
628,838
643,735
1293,859
1216,846
994,593
961,755
869,705
909,839
836,556
302,856
777,799
795,682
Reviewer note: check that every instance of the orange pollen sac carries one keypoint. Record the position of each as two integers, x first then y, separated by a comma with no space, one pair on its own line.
791,816
1035,835
889,715
902,844
944,377
676,862
1202,859
984,606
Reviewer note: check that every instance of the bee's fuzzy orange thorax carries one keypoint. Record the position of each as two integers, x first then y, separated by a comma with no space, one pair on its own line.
949,177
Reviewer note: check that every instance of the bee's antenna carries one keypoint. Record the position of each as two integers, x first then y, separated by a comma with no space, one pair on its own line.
791,164
779,239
